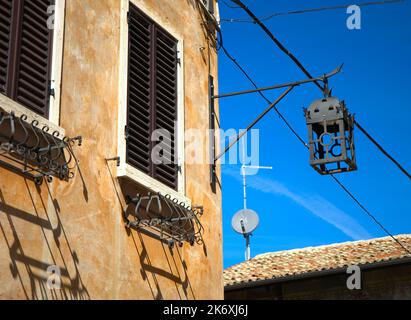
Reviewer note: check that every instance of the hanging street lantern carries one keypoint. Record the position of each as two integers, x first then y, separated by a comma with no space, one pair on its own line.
340,121
331,138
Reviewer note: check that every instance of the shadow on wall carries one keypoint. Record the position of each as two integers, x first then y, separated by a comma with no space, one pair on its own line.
151,273
31,272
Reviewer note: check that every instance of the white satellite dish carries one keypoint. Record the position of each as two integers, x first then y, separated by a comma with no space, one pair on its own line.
245,221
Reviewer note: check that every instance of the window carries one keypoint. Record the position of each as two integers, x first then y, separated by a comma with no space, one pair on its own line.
153,103
25,53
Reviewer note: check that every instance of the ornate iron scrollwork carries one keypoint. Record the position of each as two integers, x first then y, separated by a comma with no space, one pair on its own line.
34,151
165,218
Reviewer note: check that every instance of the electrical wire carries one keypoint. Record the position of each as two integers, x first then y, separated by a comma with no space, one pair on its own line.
305,71
369,214
277,42
281,116
350,194
382,149
306,145
228,5
278,14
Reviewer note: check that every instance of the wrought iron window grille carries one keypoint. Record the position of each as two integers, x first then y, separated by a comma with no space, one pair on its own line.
165,218
35,152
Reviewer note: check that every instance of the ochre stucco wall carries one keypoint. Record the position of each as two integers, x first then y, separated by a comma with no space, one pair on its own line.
78,225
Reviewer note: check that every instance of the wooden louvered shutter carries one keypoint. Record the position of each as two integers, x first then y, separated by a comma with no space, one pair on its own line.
6,7
152,95
166,102
140,89
34,51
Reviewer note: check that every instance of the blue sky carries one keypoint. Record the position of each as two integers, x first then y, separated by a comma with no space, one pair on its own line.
297,206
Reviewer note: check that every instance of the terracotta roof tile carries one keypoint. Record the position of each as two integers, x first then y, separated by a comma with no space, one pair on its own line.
314,259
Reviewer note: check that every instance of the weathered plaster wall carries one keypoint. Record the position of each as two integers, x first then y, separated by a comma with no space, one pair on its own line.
78,225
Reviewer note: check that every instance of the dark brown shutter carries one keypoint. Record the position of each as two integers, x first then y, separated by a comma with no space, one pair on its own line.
166,102
34,56
152,94
6,7
139,91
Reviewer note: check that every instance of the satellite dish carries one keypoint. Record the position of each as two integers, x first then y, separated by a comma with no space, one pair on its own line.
245,221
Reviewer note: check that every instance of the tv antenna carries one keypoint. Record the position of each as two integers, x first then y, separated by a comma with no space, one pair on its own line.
246,220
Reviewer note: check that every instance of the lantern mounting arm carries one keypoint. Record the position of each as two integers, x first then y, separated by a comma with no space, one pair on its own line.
324,78
244,132
212,97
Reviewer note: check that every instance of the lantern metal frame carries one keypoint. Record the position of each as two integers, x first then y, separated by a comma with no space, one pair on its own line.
331,136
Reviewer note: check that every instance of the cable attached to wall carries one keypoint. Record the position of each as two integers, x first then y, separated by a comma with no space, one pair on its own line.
349,193
311,10
305,71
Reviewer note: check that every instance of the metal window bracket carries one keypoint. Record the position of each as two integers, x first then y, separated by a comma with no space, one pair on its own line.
51,90
117,159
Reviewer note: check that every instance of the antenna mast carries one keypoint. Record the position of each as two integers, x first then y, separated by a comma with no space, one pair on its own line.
243,214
